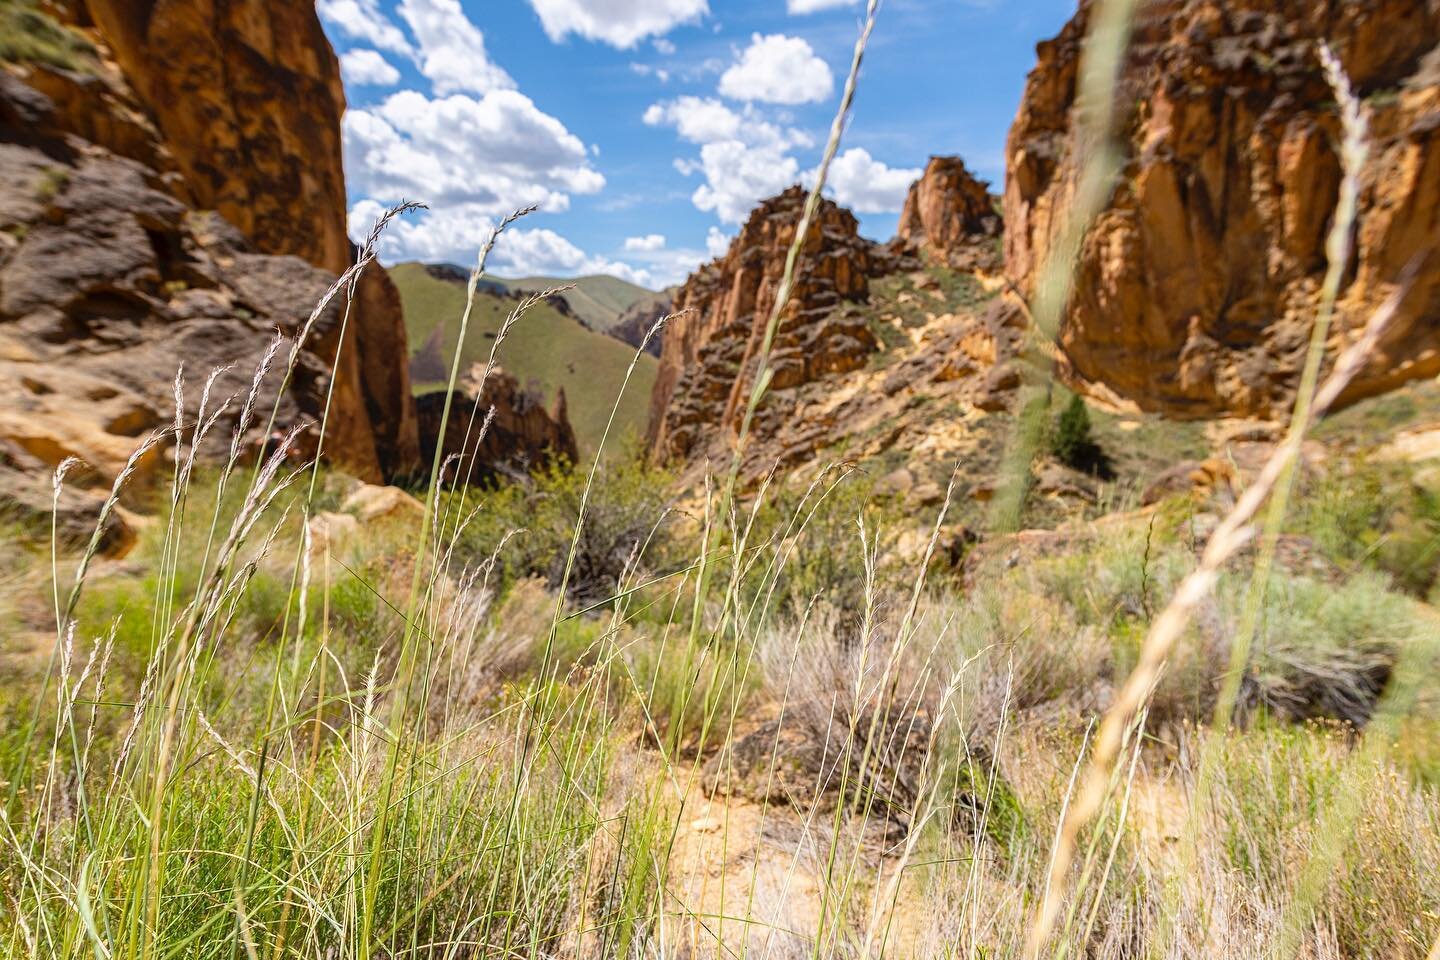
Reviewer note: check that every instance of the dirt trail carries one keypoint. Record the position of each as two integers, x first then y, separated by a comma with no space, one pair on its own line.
750,879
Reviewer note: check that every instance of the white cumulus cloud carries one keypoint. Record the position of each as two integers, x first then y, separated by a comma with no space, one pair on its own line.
706,120
812,6
697,119
778,69
363,20
491,154
865,185
451,234
738,176
646,244
665,265
717,244
743,157
544,252
620,23
367,67
452,49
455,234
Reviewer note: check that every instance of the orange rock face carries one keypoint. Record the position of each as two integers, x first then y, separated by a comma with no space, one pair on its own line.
382,370
950,216
709,356
247,98
108,285
234,106
1196,287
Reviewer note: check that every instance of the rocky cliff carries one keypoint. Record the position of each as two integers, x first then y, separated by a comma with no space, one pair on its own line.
883,356
108,284
246,98
522,436
1196,286
119,138
710,352
951,217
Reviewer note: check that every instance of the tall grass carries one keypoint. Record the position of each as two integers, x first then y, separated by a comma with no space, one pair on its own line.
742,730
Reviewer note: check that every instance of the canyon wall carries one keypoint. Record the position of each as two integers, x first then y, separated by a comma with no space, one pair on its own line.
113,266
1196,286
247,99
109,285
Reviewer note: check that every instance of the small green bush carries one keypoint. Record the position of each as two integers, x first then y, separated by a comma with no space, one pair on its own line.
629,525
1073,444
808,544
1327,651
1366,513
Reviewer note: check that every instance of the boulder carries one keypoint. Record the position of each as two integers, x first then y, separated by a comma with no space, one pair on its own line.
329,533
372,503
1200,477
28,496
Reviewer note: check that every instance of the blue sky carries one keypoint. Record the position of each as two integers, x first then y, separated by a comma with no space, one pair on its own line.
647,129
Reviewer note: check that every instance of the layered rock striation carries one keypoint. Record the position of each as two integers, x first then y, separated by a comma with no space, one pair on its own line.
1196,287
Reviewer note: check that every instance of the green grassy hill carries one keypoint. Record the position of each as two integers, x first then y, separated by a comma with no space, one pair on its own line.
546,349
598,300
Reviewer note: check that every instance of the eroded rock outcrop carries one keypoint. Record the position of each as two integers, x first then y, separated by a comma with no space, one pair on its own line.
523,435
247,99
710,352
638,319
901,352
108,284
951,217
236,105
1196,287
114,270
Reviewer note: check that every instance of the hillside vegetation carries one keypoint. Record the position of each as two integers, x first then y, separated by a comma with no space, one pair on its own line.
843,746
546,350
598,300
